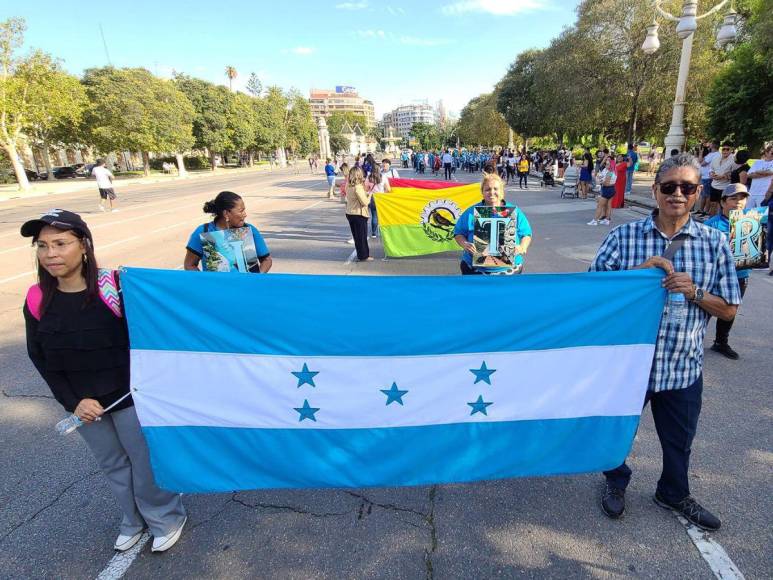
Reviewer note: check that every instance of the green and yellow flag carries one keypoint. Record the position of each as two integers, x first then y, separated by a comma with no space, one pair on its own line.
418,216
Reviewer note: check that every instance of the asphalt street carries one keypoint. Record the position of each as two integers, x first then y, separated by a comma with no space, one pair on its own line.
58,519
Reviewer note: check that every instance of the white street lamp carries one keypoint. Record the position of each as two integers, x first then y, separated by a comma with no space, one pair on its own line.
687,24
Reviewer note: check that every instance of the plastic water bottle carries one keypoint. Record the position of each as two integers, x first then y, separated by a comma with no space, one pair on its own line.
677,308
68,425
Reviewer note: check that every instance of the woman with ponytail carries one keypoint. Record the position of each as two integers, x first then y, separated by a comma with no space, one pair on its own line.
229,215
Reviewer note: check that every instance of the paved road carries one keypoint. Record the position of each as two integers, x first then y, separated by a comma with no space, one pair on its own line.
58,519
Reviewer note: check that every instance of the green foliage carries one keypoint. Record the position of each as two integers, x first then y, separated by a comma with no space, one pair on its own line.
741,98
339,144
254,86
133,110
211,113
427,135
301,129
482,124
336,121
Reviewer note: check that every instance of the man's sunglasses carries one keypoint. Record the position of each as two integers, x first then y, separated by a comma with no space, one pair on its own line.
669,188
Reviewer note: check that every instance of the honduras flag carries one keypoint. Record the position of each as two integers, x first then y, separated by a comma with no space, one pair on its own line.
291,381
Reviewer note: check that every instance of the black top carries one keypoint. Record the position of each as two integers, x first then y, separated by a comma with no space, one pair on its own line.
81,349
735,174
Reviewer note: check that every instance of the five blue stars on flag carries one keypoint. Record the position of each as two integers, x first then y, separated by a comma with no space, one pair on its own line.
393,394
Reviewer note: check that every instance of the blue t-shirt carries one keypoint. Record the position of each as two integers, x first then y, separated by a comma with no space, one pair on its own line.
634,160
195,246
722,223
465,226
330,170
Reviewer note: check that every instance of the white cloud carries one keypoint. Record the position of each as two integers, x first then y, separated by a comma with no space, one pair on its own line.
301,50
496,7
352,5
418,41
371,34
395,10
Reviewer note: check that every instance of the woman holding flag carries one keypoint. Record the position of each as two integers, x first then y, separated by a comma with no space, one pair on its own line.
78,341
493,189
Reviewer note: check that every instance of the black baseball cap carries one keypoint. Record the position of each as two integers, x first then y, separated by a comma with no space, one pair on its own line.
58,218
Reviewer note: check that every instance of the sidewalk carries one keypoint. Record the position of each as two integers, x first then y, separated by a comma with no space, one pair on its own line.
42,188
641,192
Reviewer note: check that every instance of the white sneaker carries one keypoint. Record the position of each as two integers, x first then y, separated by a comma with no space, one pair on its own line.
163,543
124,542
373,236
604,222
593,223
102,208
114,210
350,241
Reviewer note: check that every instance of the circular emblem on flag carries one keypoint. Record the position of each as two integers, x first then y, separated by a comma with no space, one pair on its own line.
438,219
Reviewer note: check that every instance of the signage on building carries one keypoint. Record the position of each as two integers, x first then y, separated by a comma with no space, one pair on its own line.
345,90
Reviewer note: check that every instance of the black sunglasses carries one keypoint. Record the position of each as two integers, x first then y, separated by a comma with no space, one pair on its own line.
669,188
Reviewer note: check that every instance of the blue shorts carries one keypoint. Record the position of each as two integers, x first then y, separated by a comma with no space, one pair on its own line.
706,191
585,175
607,191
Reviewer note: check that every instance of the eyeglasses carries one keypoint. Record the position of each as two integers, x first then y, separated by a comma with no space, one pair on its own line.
669,188
57,245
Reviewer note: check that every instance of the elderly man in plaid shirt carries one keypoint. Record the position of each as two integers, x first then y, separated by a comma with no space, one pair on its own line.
702,268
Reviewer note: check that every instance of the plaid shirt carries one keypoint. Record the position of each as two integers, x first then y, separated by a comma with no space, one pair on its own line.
706,256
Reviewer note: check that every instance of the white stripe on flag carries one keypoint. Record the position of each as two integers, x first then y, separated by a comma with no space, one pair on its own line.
257,391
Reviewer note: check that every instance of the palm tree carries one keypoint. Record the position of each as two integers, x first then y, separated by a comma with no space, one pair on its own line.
231,73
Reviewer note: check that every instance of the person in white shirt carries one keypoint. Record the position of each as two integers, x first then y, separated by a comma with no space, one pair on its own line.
447,159
721,168
104,179
708,154
607,179
387,171
761,174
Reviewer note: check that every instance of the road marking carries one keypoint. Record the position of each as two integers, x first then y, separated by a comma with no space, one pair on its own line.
119,564
351,257
714,554
309,206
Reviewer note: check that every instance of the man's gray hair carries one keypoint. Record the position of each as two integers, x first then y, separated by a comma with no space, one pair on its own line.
676,161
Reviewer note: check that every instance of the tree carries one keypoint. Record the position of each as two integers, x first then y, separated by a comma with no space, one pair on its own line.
339,144
426,134
516,98
337,120
231,74
740,103
130,109
211,114
59,101
274,119
36,97
254,86
481,123
301,129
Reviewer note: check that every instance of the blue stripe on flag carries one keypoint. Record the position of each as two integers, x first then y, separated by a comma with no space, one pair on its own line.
298,315
219,459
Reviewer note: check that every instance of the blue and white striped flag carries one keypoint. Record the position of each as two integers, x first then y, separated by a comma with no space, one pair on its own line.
271,381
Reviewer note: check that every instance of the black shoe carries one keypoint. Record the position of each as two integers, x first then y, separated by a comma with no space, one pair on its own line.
692,511
613,501
724,348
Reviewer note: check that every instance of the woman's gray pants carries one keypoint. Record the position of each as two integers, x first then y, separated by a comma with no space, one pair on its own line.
121,452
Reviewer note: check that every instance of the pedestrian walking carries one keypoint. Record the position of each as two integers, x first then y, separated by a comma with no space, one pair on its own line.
523,171
104,179
707,154
621,173
78,341
607,179
701,282
632,159
586,173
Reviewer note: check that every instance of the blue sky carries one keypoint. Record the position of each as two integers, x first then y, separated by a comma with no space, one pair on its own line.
392,52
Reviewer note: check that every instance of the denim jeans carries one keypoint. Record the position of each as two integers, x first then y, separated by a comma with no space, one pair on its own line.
629,180
373,218
676,420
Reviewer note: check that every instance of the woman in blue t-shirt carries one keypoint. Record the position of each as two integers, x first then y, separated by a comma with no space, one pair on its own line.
228,243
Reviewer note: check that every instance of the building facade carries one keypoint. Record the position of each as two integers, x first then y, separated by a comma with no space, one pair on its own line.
342,99
403,117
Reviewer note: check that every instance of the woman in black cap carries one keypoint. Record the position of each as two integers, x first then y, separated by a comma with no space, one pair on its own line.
78,341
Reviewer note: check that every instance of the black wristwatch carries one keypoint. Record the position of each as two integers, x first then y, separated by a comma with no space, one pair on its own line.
698,296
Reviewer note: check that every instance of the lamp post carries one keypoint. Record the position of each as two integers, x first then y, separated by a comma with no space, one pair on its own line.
687,23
